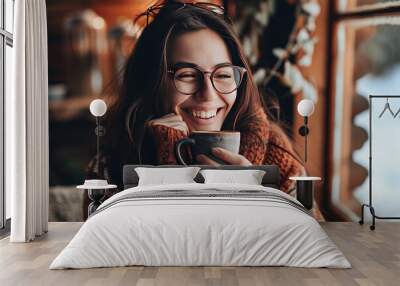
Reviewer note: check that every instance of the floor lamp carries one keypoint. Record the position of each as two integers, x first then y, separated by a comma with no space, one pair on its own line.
97,187
305,184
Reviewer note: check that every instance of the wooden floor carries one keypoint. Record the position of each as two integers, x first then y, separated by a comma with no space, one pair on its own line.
374,255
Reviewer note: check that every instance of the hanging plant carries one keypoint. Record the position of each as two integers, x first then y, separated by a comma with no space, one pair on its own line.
277,51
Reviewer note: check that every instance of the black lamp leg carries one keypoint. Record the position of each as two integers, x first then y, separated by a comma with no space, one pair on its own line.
361,221
303,131
98,146
305,138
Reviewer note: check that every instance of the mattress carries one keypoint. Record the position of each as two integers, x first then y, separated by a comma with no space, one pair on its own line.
201,225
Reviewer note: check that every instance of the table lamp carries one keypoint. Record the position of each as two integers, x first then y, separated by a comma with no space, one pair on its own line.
305,108
97,187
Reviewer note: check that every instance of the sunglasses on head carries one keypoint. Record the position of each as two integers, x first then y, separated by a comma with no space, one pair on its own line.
216,9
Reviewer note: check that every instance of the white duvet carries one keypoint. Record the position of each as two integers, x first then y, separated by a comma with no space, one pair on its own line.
183,231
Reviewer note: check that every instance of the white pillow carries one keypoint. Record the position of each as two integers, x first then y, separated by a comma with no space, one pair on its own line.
163,176
248,177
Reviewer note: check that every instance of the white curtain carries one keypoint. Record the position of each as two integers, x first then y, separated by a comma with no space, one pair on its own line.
27,124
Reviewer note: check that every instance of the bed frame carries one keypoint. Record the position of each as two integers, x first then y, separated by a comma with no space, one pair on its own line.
270,179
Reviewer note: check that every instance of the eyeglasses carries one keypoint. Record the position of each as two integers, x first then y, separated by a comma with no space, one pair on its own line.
225,78
217,9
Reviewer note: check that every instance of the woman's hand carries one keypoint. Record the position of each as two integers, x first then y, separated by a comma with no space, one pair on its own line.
227,156
171,120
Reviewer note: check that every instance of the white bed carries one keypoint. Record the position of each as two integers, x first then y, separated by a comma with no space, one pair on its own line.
201,224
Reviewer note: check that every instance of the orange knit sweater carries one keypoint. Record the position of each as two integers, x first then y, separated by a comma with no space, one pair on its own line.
253,146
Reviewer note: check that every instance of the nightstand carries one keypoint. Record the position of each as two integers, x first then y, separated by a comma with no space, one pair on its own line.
305,190
96,191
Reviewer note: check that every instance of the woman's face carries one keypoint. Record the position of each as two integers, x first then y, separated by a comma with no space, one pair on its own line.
207,109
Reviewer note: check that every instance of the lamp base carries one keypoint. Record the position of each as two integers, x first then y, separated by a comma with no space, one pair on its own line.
305,190
305,193
96,196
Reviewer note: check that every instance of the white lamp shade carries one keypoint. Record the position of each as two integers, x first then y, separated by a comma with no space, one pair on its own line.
98,107
305,107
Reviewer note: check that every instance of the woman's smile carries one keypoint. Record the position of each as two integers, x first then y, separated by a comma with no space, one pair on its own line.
203,118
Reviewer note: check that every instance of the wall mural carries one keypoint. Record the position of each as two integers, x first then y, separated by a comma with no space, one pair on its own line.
277,37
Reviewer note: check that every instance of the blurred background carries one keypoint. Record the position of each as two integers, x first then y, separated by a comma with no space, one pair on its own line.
335,53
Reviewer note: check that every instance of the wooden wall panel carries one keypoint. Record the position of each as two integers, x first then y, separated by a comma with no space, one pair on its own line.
317,75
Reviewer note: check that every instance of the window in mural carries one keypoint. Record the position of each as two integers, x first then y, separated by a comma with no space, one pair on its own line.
6,43
367,63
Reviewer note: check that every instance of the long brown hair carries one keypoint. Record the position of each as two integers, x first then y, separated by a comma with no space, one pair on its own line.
145,78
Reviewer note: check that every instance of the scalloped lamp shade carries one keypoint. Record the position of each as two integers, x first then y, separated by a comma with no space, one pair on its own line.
98,107
305,107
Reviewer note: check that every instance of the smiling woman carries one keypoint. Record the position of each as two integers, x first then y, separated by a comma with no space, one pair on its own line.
188,73
203,101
